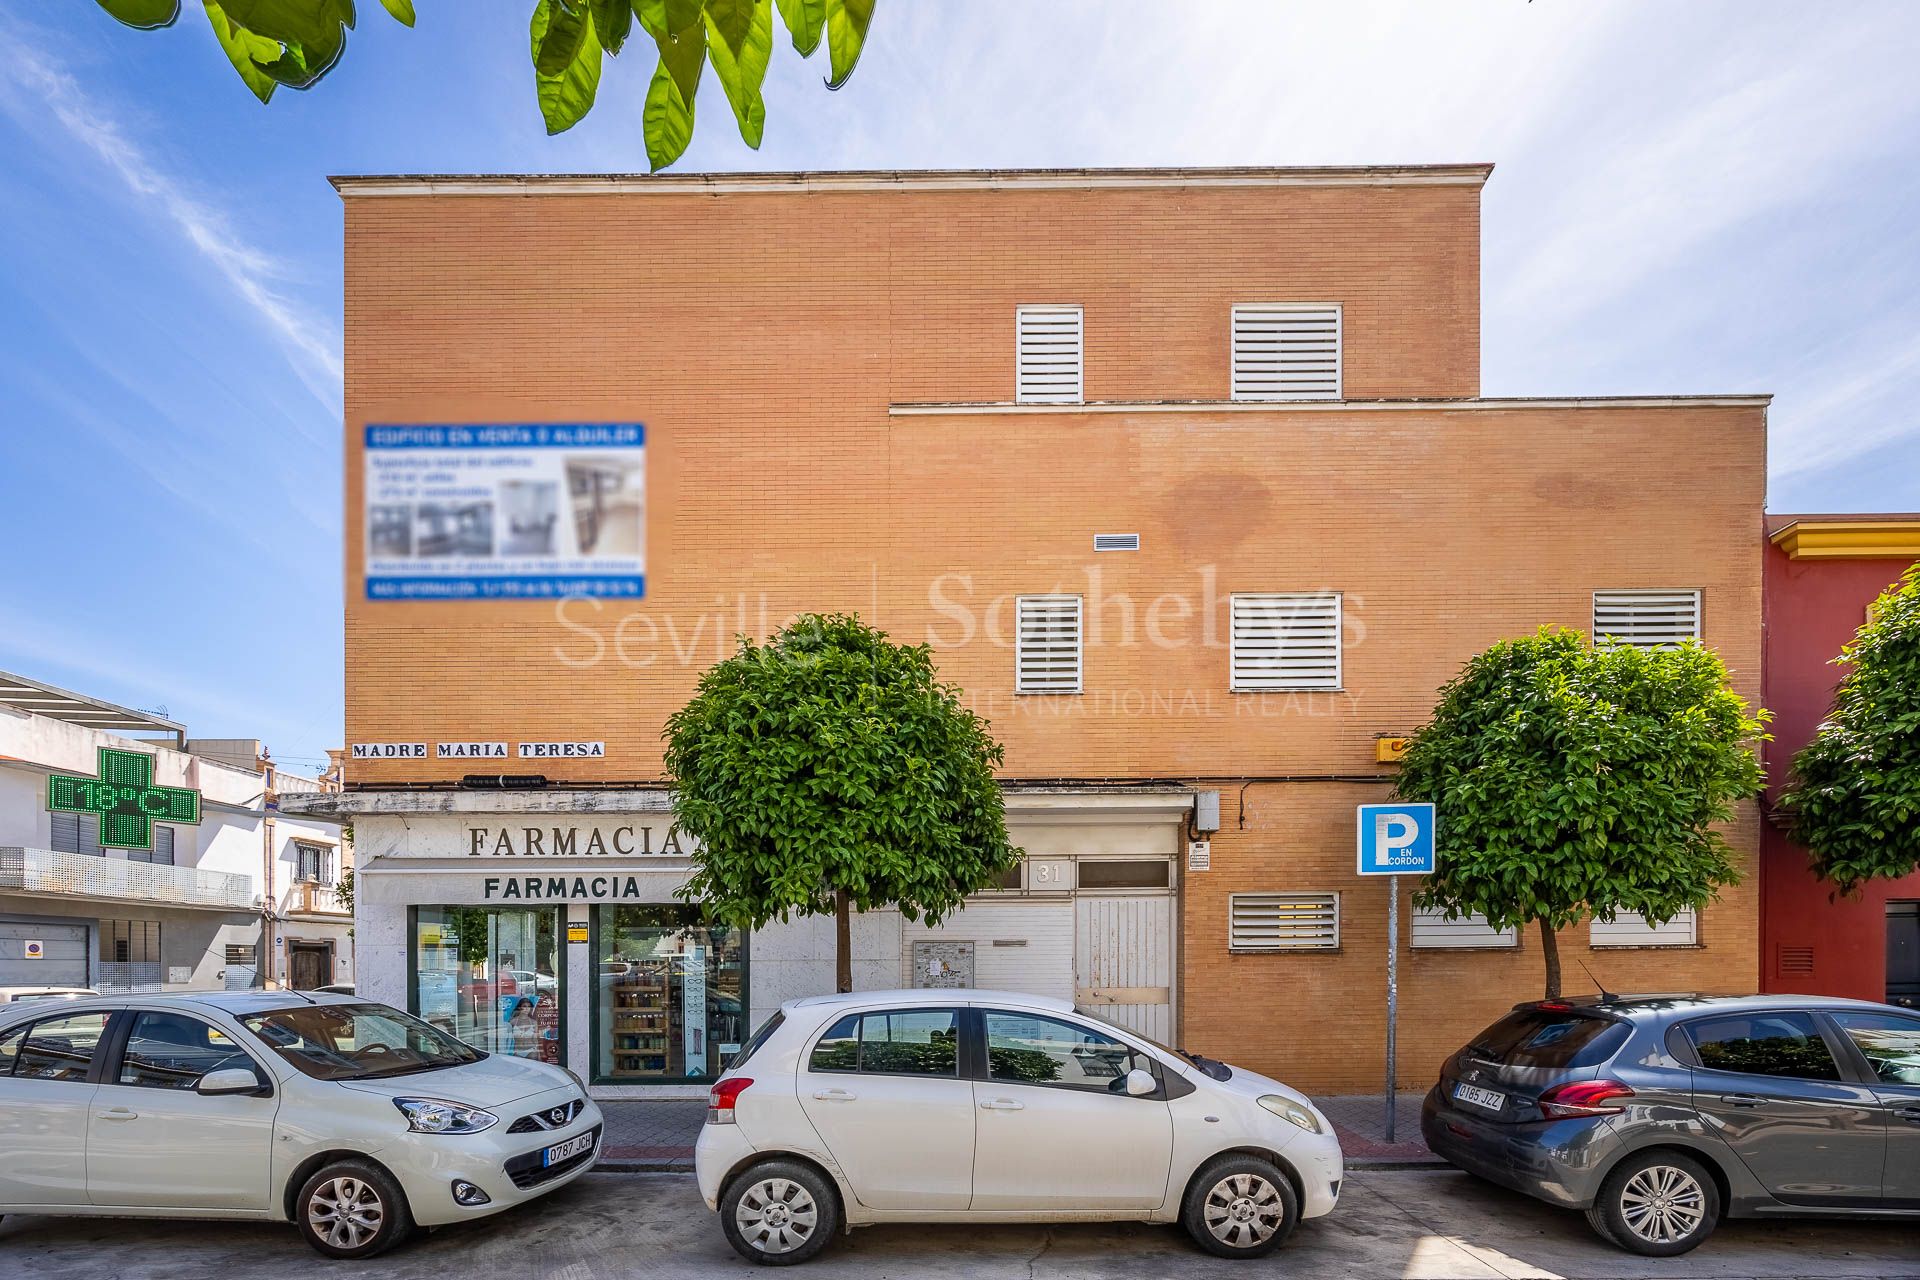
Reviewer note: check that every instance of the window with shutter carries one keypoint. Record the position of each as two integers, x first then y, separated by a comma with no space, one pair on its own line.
1047,645
1649,619
1286,351
1048,355
312,862
1285,641
1630,929
76,833
162,850
1283,921
1433,929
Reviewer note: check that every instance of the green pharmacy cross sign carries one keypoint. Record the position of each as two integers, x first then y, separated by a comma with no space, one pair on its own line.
124,798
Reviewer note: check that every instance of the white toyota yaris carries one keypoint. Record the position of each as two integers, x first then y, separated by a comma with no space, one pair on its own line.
351,1119
984,1106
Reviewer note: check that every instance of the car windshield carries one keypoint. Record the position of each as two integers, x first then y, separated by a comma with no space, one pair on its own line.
357,1041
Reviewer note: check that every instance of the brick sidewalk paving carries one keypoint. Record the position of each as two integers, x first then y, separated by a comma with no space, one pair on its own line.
659,1135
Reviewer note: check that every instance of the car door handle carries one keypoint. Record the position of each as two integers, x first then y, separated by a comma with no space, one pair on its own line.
1910,1114
1742,1099
834,1095
119,1113
1003,1104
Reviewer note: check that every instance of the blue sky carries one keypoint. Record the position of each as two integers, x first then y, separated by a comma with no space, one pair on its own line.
1697,198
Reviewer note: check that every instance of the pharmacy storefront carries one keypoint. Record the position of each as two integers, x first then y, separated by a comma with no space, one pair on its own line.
545,924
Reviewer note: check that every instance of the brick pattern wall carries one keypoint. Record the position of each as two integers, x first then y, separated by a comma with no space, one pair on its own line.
762,338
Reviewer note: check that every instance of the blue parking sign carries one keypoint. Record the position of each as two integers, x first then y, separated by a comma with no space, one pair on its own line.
1396,839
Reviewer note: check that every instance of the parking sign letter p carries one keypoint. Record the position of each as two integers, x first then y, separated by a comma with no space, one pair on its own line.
1393,832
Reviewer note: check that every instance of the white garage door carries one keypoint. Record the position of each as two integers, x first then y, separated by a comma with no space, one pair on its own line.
63,959
1021,945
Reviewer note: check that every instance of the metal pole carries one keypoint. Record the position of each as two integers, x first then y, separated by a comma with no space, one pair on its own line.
1393,989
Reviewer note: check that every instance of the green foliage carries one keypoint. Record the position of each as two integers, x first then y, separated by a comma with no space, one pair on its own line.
1854,799
293,43
1573,781
832,759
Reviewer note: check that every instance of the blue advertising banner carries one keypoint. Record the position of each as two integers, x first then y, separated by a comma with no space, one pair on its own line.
505,512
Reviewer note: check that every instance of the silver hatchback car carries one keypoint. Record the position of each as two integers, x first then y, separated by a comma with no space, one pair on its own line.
1659,1115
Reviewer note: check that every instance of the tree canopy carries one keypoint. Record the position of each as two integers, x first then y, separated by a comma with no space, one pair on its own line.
1854,796
1573,781
294,43
828,770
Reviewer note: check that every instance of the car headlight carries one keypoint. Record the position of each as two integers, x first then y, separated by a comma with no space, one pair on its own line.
431,1115
1288,1109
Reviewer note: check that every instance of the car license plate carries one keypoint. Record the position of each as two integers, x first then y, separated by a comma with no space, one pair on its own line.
1480,1097
566,1150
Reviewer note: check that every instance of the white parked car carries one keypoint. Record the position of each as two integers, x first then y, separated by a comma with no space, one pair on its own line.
18,995
350,1119
984,1106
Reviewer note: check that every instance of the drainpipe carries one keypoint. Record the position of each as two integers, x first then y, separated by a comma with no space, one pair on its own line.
270,958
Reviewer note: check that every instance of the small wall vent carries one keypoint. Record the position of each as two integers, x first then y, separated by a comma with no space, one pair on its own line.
1796,962
1116,542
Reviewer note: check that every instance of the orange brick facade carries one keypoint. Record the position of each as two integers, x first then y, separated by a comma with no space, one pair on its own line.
782,346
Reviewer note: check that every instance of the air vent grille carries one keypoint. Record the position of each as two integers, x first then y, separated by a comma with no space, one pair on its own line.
1116,542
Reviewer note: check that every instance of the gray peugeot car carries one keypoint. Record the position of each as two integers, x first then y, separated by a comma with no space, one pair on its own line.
1660,1115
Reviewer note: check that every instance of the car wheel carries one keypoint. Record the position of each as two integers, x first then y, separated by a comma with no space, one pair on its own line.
1240,1207
779,1213
352,1209
1658,1204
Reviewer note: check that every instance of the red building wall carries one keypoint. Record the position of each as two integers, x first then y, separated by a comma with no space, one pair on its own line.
1812,942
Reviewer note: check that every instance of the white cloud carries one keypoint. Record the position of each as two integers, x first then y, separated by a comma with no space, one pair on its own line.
257,277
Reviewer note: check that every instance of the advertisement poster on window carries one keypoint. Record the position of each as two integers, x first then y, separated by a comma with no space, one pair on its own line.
531,512
693,1009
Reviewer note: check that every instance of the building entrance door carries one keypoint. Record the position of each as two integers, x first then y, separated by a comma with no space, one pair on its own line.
1903,954
1123,960
310,964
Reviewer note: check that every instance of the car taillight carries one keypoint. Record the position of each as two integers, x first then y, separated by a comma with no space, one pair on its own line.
721,1099
1583,1098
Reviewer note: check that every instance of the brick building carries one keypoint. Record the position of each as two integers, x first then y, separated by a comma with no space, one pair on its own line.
1823,573
1186,475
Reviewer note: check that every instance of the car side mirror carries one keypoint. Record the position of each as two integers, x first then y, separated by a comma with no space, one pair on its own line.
1141,1083
229,1080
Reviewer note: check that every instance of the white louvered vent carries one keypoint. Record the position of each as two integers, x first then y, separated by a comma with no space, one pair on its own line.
1285,641
1649,619
1630,929
1283,921
1433,929
1286,351
1048,355
1116,542
1047,646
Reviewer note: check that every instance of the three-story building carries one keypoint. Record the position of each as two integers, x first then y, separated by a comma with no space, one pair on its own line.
1187,477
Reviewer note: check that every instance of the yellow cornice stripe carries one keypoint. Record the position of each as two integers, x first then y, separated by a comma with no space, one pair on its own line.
1850,540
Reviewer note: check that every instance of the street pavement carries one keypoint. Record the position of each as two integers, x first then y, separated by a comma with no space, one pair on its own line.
1391,1225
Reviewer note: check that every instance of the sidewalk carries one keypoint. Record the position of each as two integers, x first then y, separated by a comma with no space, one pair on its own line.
657,1137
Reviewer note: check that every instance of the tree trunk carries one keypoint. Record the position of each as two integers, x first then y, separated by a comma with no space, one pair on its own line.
1550,949
842,942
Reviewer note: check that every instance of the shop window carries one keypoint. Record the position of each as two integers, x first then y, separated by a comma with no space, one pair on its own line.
671,994
1125,874
490,976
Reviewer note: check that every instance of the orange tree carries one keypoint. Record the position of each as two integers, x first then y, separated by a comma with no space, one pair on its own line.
1573,781
829,770
1854,799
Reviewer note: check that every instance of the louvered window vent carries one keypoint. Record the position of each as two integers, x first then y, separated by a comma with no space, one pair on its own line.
1648,619
1047,644
1285,641
1048,356
1286,351
1283,921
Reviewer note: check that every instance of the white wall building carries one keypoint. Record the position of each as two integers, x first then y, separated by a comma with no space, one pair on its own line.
241,897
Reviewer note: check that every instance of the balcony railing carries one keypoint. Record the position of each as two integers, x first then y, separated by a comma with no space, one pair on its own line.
307,898
79,875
